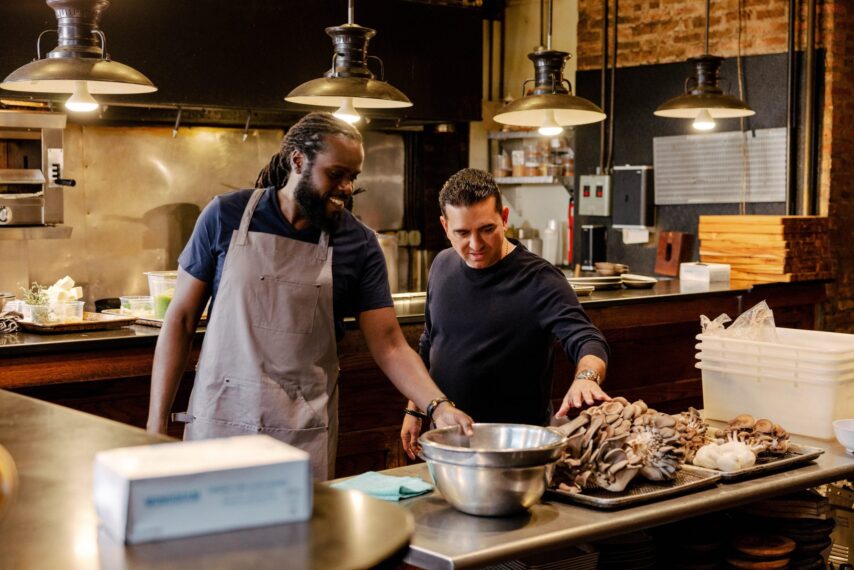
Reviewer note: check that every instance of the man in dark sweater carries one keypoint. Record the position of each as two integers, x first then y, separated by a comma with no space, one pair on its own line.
493,312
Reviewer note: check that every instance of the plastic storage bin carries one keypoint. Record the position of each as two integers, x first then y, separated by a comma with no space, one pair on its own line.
803,382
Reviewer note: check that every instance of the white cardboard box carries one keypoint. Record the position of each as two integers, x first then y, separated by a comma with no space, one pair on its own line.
169,490
705,272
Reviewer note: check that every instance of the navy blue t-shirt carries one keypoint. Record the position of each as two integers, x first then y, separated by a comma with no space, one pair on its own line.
489,334
359,276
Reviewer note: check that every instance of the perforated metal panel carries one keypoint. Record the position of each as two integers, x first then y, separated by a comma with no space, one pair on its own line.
709,168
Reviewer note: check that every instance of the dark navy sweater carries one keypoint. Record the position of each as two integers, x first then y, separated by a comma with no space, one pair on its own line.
488,335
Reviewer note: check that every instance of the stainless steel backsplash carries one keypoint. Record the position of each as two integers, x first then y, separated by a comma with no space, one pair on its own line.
139,192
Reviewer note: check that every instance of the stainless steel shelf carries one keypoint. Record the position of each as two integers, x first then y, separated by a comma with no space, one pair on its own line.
518,180
35,232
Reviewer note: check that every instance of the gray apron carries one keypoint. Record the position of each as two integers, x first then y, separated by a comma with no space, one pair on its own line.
269,361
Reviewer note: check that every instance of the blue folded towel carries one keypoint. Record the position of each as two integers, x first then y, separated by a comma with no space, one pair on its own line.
386,487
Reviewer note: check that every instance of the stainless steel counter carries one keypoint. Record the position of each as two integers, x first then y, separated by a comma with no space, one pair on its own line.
445,538
52,521
409,308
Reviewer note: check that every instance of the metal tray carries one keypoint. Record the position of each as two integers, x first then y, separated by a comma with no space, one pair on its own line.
797,453
688,478
90,322
150,321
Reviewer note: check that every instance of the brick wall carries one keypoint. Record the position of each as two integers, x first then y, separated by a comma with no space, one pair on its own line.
666,31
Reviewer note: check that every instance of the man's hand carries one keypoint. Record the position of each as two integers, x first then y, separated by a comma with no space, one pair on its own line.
409,435
581,392
446,415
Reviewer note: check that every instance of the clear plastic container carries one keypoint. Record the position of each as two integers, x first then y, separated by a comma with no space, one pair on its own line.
55,313
137,306
161,286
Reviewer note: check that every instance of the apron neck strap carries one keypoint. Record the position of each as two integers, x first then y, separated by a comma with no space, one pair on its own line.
257,194
323,246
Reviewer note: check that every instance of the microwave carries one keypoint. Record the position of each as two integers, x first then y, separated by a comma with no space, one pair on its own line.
31,181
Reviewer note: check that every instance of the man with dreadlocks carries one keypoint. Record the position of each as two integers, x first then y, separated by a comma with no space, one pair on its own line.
283,264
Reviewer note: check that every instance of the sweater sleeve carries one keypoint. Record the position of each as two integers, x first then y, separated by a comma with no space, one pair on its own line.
559,312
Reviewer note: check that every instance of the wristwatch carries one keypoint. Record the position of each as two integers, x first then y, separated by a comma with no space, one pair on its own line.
588,374
431,407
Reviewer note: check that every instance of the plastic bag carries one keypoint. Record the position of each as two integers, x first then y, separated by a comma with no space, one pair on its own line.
757,323
714,326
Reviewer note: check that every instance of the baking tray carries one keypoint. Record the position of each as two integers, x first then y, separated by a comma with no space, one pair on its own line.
688,478
796,453
90,322
150,321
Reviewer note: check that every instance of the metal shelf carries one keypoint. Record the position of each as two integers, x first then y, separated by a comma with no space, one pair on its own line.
508,135
34,232
537,180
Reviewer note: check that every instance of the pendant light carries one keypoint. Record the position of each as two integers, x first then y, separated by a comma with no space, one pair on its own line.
349,84
551,106
79,64
704,100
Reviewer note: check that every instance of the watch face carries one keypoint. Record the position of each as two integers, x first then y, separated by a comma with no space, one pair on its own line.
587,375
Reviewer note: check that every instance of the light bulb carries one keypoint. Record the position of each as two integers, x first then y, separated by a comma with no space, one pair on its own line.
550,128
704,121
81,101
346,112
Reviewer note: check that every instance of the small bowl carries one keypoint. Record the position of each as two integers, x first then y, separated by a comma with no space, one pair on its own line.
844,430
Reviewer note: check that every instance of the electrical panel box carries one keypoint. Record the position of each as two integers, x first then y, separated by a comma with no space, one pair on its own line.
634,206
594,195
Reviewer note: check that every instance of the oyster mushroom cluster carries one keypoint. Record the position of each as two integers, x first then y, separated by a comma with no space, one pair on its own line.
692,432
760,435
609,444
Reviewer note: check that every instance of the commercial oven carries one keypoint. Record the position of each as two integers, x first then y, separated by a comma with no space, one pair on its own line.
31,177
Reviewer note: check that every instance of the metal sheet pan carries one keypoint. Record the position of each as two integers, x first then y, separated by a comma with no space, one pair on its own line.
797,453
688,478
90,322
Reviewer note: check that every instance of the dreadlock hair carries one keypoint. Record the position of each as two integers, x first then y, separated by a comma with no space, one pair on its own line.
308,136
467,187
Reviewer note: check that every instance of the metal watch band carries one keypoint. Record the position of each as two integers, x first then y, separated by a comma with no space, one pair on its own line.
588,374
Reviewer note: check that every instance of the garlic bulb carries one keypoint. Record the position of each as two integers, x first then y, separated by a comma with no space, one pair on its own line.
729,456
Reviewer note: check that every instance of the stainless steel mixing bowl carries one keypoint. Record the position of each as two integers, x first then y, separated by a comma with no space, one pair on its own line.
490,491
494,445
501,470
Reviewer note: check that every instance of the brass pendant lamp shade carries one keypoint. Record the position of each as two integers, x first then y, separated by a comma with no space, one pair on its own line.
704,100
350,83
551,97
704,93
551,105
79,61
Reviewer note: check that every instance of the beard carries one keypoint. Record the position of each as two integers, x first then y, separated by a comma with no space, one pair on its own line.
313,206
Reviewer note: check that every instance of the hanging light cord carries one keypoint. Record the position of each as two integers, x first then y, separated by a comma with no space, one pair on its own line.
549,36
745,166
609,164
351,12
708,8
603,85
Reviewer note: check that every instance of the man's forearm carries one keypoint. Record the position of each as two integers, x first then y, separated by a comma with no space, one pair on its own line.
405,369
170,361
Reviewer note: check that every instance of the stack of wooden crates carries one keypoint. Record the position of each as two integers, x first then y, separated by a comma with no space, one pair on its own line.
768,249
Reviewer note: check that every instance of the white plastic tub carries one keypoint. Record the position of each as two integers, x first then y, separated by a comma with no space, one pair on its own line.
792,344
785,366
803,403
